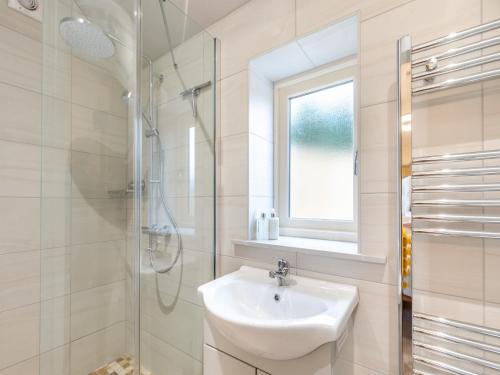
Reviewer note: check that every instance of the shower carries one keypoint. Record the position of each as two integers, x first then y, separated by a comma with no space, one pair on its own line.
90,40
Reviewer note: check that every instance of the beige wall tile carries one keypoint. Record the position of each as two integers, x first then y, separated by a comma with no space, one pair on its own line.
234,104
181,328
97,264
492,274
19,279
56,122
95,88
55,272
54,12
94,220
55,361
234,165
21,111
19,224
158,355
54,323
18,22
21,63
379,36
439,266
56,73
254,28
98,132
374,340
378,148
56,222
313,15
56,173
28,367
20,333
92,351
19,169
232,222
94,176
95,309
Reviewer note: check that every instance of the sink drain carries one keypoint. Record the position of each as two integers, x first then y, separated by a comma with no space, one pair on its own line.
277,297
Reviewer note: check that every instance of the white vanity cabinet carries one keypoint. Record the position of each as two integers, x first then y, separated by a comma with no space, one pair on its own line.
216,362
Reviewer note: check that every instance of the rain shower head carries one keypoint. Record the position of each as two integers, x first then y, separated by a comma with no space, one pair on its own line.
86,38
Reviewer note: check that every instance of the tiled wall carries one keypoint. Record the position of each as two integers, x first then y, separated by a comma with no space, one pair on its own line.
63,139
262,25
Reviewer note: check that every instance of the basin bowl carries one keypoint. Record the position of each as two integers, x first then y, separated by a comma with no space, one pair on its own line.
255,314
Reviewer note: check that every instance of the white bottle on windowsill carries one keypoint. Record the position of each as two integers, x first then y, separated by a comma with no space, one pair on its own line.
274,226
262,227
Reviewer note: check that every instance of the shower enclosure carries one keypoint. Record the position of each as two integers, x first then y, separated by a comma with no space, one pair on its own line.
127,215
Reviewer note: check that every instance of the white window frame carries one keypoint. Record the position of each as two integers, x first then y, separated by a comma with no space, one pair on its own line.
284,90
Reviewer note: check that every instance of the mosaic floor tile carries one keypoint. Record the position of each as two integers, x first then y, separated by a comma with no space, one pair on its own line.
123,365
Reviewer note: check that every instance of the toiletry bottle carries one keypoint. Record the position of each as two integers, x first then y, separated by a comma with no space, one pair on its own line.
262,227
274,226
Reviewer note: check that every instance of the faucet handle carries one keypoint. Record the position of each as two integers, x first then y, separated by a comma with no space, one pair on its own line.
282,264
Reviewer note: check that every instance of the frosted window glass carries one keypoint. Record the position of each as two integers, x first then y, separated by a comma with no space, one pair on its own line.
321,154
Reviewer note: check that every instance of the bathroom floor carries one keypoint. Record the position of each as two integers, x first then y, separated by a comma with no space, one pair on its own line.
123,365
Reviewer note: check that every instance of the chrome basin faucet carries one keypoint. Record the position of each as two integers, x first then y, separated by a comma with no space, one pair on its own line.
281,274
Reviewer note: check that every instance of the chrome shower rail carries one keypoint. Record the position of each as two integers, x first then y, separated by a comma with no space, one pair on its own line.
456,36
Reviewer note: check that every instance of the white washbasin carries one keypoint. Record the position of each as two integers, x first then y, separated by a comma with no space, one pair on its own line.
308,313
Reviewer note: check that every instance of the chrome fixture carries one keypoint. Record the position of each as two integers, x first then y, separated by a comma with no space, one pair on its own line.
422,335
86,38
281,274
193,93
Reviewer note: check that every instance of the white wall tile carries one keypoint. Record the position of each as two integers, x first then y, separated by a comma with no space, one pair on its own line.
21,114
56,122
55,361
28,367
260,167
261,107
55,222
56,73
232,222
18,22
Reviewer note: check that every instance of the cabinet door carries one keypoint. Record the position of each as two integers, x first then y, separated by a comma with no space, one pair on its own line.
218,363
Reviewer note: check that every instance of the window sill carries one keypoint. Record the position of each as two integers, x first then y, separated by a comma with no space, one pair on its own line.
331,249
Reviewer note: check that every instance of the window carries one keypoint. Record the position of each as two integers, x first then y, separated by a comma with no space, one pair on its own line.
317,189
